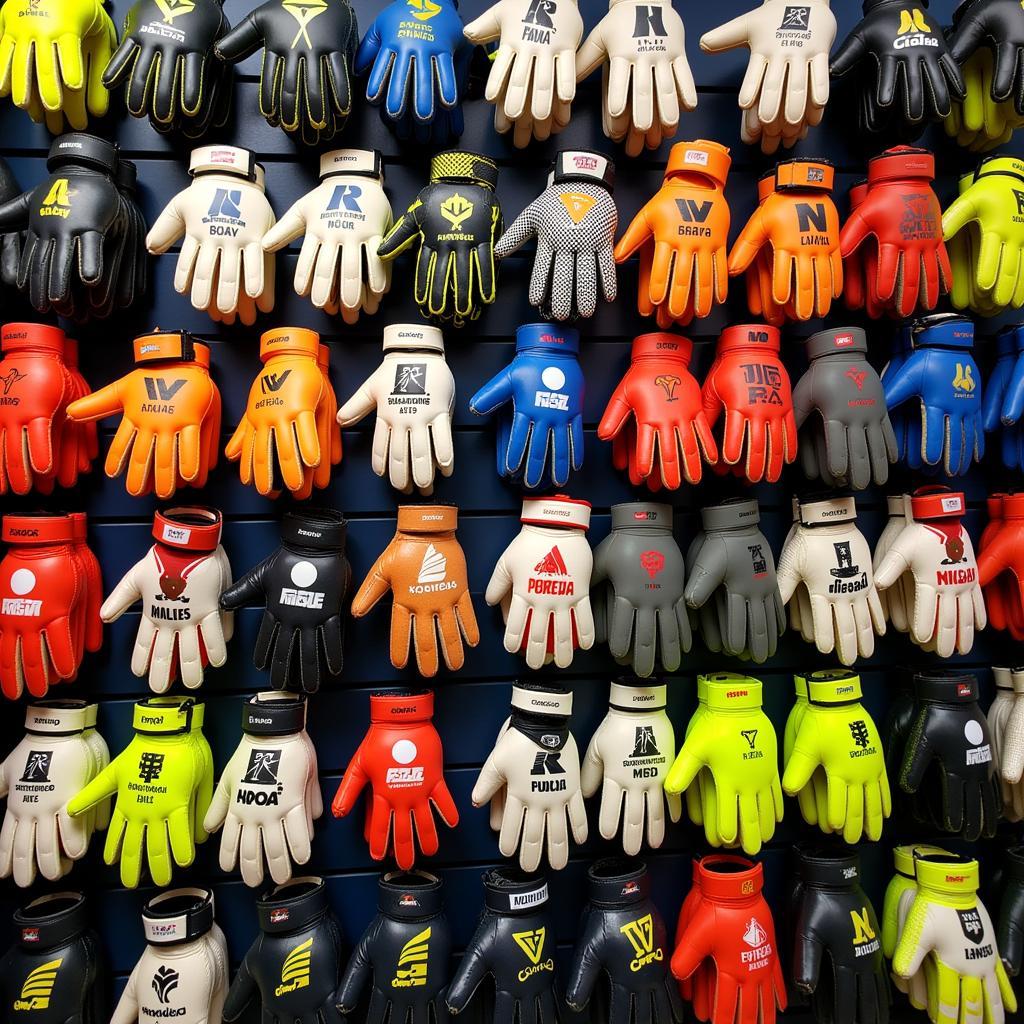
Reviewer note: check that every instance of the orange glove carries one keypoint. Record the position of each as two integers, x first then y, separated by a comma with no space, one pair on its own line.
426,570
797,227
165,404
279,439
688,222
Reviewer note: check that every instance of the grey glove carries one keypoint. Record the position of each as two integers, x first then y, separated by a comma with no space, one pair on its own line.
735,568
575,220
638,589
850,441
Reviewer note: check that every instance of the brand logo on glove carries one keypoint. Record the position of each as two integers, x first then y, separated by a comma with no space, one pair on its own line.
150,766
693,215
37,766
668,383
412,962
29,934
295,969
171,9
548,762
303,574
280,915
649,22
537,24
224,218
652,562
558,582
847,577
758,562
271,383
974,931
456,209
12,377
411,379
261,771
812,217
795,19
404,752
533,898
861,736
921,221
963,382
646,759
979,752
165,981
22,583
864,941
641,937
58,200
760,951
857,377
433,575
160,394
38,986
304,11
344,199
532,944
553,379
423,10
763,380
913,31
577,205
753,754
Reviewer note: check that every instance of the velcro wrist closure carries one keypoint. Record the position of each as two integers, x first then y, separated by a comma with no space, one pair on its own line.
732,514
223,160
84,151
838,341
803,175
729,692
947,873
1013,506
905,857
547,337
733,878
181,915
51,921
188,528
1017,681
57,717
292,906
749,337
39,338
900,163
366,163
800,686
649,516
274,713
404,707
427,518
1008,165
1002,676
896,506
1008,341
586,164
828,512
159,346
699,157
511,891
662,346
409,895
413,337
542,699
289,341
833,686
825,870
943,330
637,696
455,165
618,882
557,510
946,687
164,716
37,530
323,529
944,504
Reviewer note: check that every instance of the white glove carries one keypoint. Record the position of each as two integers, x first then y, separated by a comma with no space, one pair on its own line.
543,580
269,794
936,549
534,69
413,391
344,220
47,768
898,598
179,581
647,79
223,215
998,715
830,556
183,971
628,759
800,619
536,763
1011,756
786,85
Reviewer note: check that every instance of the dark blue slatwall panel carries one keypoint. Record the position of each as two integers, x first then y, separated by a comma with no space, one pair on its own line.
471,704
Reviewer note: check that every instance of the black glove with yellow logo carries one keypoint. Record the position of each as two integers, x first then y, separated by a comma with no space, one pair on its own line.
455,220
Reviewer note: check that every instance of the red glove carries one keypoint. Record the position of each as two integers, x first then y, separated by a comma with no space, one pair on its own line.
401,758
995,593
661,401
854,285
89,628
1003,553
84,437
731,924
749,383
902,213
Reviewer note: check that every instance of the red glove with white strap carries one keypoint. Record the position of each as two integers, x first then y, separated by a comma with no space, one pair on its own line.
401,758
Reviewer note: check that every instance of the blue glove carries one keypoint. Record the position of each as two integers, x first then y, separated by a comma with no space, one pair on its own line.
411,47
544,383
942,374
1004,395
900,419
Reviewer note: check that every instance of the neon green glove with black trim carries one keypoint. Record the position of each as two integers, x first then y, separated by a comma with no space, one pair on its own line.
812,798
164,783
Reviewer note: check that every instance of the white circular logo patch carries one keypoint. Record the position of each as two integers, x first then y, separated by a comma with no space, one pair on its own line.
553,378
404,752
23,581
974,733
303,574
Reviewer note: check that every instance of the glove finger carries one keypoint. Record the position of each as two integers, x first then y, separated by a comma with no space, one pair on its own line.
425,639
451,639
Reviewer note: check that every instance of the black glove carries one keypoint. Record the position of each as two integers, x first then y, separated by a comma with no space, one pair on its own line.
54,974
407,949
303,585
305,84
295,963
10,243
455,220
835,928
166,59
622,935
907,73
1010,930
515,943
998,25
950,734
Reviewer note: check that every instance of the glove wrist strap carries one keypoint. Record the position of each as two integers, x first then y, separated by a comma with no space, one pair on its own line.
1017,681
895,505
823,870
188,528
178,916
1012,507
747,337
289,341
943,330
364,163
737,880
637,697
728,692
662,346
733,514
511,891
946,687
558,510
944,504
431,519
57,717
901,163
1013,866
956,878
33,338
905,857
321,529
828,513
409,895
165,716
585,165
838,341
454,165
643,516
224,160
803,175
413,338
700,157
830,688
547,337
37,530
1002,676
161,346
292,906
1009,341
51,921
618,882
83,150
274,713
542,699
1000,165
403,707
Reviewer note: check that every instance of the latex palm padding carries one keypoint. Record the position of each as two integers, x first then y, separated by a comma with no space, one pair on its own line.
836,733
163,782
735,741
305,80
454,224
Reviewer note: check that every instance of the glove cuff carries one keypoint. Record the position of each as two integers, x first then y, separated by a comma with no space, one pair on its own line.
410,895
292,906
274,713
178,916
427,519
1002,677
544,699
557,510
320,529
403,706
905,857
37,530
662,346
942,330
509,891
949,874
584,165
828,512
224,160
823,869
858,193
940,687
1000,164
618,882
83,150
732,514
1017,681
838,341
831,687
727,691
901,163
1009,341
455,165
162,346
127,177
896,505
636,696
1013,507
749,337
188,528
51,921
547,337
738,879
941,503
1013,866
642,516
413,338
364,163
289,341
33,338
804,175
800,687
166,716
700,157
57,717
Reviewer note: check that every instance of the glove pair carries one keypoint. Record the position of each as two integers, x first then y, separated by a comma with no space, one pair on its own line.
646,80
170,407
162,783
1003,401
341,223
289,437
179,581
52,56
785,87
50,593
540,437
222,217
1006,726
39,448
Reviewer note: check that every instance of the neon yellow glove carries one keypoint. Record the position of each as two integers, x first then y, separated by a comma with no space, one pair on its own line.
812,798
980,123
837,734
734,740
164,782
